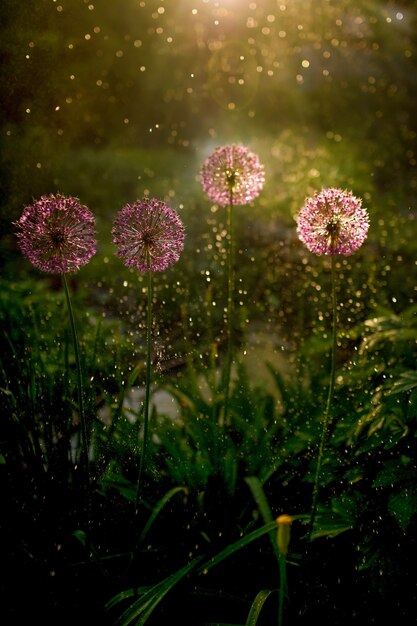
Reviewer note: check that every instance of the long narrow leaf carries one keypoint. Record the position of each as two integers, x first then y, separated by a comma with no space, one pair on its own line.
260,498
158,508
145,605
125,595
234,547
257,606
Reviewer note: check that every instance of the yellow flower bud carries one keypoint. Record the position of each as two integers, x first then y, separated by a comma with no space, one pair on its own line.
284,532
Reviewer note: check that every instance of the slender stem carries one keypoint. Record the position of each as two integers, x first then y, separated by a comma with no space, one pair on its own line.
230,306
147,390
84,435
329,398
282,587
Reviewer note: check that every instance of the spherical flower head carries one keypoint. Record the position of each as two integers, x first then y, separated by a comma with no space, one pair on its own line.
333,222
232,175
149,235
56,233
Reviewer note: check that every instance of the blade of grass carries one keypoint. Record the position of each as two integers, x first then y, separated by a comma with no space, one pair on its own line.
158,508
234,547
144,607
257,606
260,498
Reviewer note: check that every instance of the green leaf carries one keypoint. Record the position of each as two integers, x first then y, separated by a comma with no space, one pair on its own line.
158,508
257,606
260,498
403,506
113,479
340,518
405,382
125,595
81,536
146,604
330,530
234,547
395,472
412,405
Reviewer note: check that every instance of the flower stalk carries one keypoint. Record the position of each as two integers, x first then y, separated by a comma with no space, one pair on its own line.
230,306
149,237
231,175
283,540
80,393
147,386
326,417
56,234
332,222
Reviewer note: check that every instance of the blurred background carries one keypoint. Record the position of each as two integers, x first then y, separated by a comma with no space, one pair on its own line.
113,101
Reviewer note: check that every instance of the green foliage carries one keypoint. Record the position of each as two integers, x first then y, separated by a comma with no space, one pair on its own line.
150,599
198,446
267,446
38,375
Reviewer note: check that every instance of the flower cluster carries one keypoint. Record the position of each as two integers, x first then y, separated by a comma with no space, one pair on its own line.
232,174
149,235
333,222
57,234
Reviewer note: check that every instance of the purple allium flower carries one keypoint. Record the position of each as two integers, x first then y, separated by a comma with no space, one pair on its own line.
232,174
149,235
57,234
333,222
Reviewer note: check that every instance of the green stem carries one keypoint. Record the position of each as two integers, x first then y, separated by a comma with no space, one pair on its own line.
230,307
84,436
282,587
329,398
147,390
